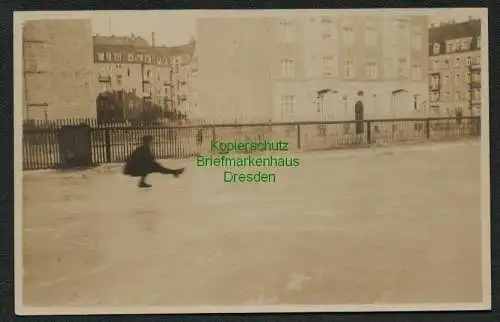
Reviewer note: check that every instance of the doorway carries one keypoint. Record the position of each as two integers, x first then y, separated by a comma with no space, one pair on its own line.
358,117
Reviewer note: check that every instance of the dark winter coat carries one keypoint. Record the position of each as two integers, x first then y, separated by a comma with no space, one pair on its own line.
140,163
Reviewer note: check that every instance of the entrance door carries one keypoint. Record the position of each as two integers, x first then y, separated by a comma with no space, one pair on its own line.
358,117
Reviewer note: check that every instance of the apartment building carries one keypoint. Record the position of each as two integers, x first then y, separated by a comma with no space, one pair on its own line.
322,67
455,68
58,69
140,76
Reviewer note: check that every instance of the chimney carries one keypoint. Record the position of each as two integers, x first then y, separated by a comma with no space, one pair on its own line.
153,39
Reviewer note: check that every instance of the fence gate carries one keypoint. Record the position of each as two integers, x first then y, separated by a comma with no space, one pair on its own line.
75,146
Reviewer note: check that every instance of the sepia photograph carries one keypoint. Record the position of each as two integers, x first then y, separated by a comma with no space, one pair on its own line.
244,161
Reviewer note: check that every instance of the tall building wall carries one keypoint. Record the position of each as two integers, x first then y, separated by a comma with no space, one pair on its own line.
58,69
275,68
234,70
455,68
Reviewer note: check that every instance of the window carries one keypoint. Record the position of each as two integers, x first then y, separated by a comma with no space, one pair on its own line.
119,79
476,94
100,56
117,56
435,96
415,102
478,42
458,95
476,76
329,66
327,26
457,62
457,78
416,72
128,72
434,82
402,68
446,63
140,57
371,70
467,77
464,43
370,34
108,56
468,61
348,33
148,73
286,30
287,105
389,68
103,72
477,60
451,46
349,69
436,47
416,38
130,57
287,68
147,59
446,79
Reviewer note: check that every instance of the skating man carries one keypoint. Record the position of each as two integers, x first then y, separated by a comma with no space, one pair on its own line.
142,162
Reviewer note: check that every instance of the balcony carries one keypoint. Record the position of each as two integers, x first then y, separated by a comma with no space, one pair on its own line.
167,84
475,84
104,79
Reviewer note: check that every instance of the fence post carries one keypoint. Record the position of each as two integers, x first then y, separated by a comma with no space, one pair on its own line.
428,127
107,140
368,132
298,137
213,133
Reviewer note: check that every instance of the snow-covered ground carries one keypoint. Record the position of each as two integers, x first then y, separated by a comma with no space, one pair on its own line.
388,225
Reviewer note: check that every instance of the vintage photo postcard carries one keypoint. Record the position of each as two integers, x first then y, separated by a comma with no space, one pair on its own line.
251,161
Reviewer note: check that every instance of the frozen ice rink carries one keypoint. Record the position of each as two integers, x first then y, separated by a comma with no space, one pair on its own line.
387,225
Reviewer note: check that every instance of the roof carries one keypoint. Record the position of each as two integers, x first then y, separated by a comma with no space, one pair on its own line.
140,44
186,51
470,28
134,41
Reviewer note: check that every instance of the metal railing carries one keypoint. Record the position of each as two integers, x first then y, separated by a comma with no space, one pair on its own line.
113,142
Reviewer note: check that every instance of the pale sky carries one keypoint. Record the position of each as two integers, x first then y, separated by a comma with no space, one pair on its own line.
176,27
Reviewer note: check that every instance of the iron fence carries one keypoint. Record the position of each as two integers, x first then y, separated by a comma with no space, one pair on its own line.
113,142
